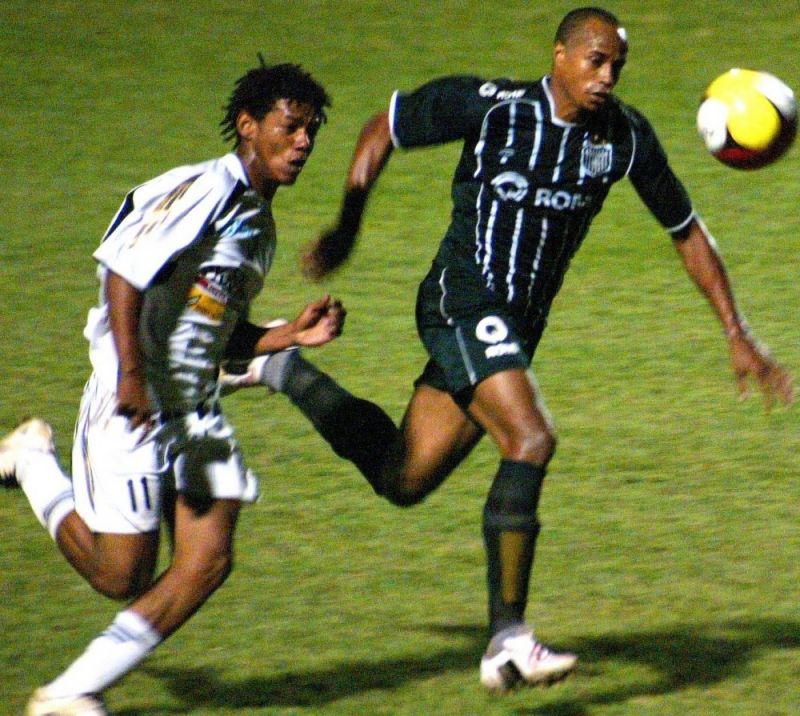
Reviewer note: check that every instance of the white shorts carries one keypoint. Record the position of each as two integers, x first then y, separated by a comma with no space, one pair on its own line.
118,481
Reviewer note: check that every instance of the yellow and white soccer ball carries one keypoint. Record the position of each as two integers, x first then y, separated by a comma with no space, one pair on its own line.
747,118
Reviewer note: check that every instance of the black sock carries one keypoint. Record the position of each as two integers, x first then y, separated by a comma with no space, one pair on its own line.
356,429
510,528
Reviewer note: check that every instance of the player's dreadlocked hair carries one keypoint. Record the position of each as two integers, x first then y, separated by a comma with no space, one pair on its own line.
574,19
259,89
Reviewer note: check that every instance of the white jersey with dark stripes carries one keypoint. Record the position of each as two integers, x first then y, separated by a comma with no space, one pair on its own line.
198,241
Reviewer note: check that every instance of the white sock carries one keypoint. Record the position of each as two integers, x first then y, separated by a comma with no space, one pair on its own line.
110,656
47,488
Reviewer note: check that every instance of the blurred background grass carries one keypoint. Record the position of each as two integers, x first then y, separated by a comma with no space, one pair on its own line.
668,555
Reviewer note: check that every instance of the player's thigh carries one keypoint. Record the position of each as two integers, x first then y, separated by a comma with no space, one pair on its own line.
202,559
204,534
509,407
437,436
126,560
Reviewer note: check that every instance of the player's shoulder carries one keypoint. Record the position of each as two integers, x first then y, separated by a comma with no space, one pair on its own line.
482,89
217,176
623,112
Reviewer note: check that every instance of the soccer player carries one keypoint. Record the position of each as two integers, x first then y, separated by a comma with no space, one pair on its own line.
179,265
538,161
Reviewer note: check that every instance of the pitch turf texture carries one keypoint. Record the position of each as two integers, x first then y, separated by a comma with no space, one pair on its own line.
669,555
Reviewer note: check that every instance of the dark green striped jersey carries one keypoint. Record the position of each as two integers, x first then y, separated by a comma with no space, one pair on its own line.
528,184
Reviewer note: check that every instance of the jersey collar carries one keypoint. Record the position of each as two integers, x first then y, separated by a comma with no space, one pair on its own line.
234,165
553,118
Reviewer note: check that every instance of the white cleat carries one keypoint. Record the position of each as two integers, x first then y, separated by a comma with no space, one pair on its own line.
235,375
33,434
515,658
42,704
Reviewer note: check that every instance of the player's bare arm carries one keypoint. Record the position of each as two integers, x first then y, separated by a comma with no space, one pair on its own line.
333,247
319,322
124,307
749,358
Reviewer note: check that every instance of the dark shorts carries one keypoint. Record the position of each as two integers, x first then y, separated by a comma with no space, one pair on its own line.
469,333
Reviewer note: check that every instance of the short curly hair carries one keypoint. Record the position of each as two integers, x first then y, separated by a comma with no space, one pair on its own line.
259,89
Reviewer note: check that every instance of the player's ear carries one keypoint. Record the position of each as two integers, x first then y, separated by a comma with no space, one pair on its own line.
246,125
559,50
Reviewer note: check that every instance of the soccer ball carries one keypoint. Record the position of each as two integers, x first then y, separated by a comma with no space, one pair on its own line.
747,118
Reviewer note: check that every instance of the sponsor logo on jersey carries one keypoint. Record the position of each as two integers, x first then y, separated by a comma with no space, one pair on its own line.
561,200
596,159
490,89
510,186
208,299
492,329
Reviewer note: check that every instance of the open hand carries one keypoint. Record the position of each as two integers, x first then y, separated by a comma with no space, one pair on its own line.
751,360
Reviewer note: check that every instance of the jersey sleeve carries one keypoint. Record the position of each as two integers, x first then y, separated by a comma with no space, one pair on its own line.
440,111
157,221
655,182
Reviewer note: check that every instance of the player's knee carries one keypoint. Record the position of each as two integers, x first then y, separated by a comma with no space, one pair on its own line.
204,574
120,585
401,497
406,486
533,445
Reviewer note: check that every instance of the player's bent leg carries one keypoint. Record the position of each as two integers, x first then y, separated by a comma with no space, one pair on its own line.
508,405
436,435
201,562
118,566
356,429
404,465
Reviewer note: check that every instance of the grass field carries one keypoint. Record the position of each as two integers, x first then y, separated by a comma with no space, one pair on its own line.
669,555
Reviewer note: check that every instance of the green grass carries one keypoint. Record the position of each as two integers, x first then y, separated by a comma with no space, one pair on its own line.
668,558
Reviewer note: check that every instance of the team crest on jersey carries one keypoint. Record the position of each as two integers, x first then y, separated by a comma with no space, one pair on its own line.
596,159
510,186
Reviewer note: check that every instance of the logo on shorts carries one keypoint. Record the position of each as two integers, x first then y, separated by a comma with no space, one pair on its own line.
494,330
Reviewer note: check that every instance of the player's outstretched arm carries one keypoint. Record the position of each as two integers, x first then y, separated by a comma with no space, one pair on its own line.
319,322
332,248
749,358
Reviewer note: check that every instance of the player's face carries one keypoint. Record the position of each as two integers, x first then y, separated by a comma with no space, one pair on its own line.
275,148
587,68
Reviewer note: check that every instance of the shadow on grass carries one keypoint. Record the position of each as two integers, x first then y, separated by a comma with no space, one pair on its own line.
677,658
